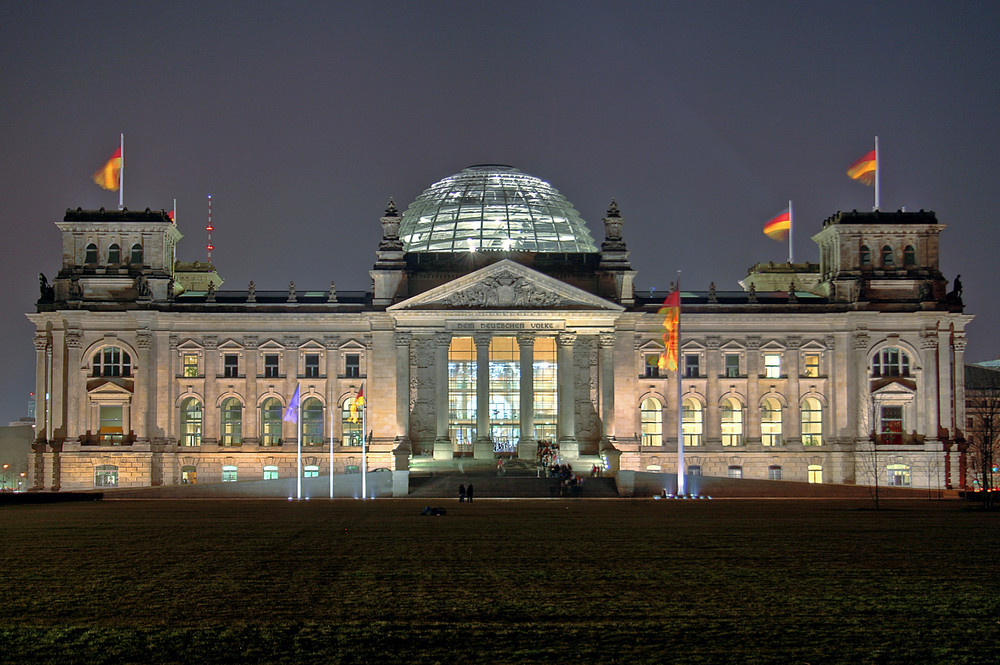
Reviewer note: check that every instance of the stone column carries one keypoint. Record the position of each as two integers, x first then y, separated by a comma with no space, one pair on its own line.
211,414
527,447
402,340
864,419
443,448
606,343
483,447
60,384
753,389
42,424
959,384
713,422
77,398
929,399
144,396
945,383
793,426
567,394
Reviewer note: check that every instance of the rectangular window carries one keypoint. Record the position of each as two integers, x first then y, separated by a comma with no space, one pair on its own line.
732,365
352,366
190,365
229,474
310,471
774,473
692,367
811,365
111,424
652,366
815,472
270,473
735,471
772,365
231,366
271,366
891,425
899,475
312,365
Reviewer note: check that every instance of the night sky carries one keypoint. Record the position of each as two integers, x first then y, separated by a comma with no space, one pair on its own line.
302,119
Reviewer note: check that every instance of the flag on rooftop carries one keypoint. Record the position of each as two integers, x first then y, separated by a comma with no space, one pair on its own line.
108,176
777,227
864,169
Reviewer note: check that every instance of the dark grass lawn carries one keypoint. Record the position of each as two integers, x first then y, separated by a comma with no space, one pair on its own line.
617,581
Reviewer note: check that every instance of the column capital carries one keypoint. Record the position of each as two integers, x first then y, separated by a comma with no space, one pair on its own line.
525,339
606,340
211,341
41,342
143,338
401,338
566,338
860,340
482,338
250,341
793,342
443,339
928,339
753,342
74,338
331,342
713,342
959,343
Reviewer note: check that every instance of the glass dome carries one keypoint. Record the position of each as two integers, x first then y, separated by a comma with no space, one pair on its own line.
492,207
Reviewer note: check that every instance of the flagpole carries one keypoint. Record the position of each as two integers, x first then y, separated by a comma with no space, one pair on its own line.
877,165
364,449
791,227
681,488
298,475
121,174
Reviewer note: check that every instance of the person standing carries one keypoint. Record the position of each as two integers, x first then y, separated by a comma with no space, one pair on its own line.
461,493
468,492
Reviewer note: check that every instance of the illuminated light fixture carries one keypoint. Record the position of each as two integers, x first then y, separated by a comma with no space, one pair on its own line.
472,244
506,244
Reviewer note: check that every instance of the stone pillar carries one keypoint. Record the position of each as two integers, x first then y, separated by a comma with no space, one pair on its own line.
210,425
483,447
42,342
443,448
144,397
60,384
864,418
332,428
77,398
753,389
568,446
527,447
945,383
959,384
926,394
606,342
402,342
793,426
713,423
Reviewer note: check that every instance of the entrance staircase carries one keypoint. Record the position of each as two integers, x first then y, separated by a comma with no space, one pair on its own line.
518,479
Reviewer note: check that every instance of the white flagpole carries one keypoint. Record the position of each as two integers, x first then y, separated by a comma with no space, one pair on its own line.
681,480
298,420
121,174
364,449
791,227
175,213
878,164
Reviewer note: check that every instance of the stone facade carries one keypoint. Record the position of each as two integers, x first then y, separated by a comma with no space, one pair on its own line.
858,370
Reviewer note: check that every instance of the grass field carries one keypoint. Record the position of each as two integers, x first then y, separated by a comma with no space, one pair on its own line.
615,581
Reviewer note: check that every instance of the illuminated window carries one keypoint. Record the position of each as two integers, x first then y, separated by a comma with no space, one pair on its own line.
112,361
136,257
732,365
866,256
812,422
189,475
692,366
270,365
774,472
231,366
815,474
652,366
811,365
692,422
546,388
91,256
735,471
891,425
462,404
232,422
191,422
111,423
772,365
312,365
652,422
312,422
732,422
310,471
770,422
694,470
271,413
190,365
114,253
351,431
105,475
352,366
887,257
229,473
505,393
270,472
899,475
891,361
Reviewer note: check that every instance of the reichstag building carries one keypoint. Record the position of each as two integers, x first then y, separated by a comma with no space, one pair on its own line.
497,326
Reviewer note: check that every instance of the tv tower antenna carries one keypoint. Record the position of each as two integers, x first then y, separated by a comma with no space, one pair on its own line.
209,228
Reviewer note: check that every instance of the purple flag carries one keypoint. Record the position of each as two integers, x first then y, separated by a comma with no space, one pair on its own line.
292,412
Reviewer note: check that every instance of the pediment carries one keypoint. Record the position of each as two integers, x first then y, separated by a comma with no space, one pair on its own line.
111,390
509,286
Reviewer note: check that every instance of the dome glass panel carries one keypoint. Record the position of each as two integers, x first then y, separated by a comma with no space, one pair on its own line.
490,207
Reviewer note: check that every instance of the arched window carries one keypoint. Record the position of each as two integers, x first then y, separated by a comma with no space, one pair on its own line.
909,257
812,422
652,422
232,422
312,422
91,256
136,258
692,422
866,256
891,361
351,430
114,253
770,422
191,422
887,257
112,361
105,475
270,422
732,422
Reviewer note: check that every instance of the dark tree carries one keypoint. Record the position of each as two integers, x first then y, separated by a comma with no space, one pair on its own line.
982,392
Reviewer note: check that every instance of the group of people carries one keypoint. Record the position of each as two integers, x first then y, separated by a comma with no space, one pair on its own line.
466,493
547,454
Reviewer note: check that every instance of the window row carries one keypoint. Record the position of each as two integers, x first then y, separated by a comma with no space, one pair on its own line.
888,257
270,419
114,254
106,475
732,422
271,369
691,365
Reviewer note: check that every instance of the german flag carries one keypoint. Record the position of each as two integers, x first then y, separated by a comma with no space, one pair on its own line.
109,174
777,228
671,311
864,169
358,405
